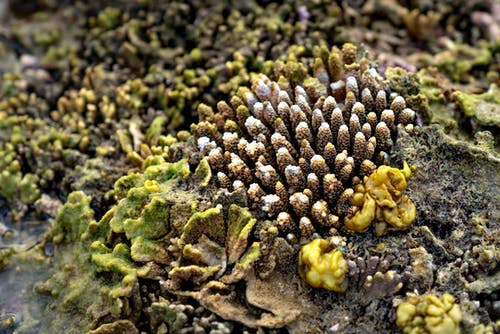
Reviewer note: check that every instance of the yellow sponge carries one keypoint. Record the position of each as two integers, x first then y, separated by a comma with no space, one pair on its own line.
428,314
380,200
323,266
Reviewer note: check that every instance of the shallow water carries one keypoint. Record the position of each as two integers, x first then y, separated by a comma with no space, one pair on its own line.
20,306
23,235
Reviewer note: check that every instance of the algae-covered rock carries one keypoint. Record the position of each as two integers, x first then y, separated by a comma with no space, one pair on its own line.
117,260
461,58
71,284
470,168
73,219
117,327
143,216
210,223
128,243
16,187
484,108
240,225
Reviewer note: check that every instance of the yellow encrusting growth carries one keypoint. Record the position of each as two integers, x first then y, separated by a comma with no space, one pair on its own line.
323,266
380,200
428,314
152,186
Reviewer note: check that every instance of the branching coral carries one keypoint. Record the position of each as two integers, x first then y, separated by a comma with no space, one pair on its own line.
184,318
374,277
429,314
380,200
298,144
323,266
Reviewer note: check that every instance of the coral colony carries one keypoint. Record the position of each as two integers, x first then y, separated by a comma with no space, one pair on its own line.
299,150
249,167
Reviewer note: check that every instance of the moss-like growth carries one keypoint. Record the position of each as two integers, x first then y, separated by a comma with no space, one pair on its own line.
14,185
485,108
203,173
73,219
460,59
72,283
143,213
118,261
433,99
198,225
155,130
240,225
213,242
127,244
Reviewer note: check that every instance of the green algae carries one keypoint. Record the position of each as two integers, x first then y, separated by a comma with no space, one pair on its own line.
197,224
203,173
249,257
5,255
83,250
132,206
460,59
484,108
117,260
146,250
152,221
14,184
73,219
73,287
239,228
155,130
433,99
